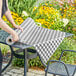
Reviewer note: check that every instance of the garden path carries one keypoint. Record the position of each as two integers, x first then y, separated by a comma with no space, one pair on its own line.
17,71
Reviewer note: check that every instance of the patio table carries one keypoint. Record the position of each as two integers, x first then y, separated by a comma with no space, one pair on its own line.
3,36
44,40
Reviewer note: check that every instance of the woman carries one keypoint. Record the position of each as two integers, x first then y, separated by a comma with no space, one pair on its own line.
4,10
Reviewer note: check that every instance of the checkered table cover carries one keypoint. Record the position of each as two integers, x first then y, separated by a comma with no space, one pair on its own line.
44,40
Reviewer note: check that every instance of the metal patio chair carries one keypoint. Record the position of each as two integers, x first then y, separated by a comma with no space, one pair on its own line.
1,58
60,68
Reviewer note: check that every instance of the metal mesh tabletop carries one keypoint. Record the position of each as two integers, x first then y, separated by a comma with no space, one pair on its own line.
4,35
44,40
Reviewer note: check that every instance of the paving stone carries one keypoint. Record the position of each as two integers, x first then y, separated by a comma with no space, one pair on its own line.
9,73
13,70
41,72
39,75
30,74
30,70
6,75
16,71
19,75
19,71
14,75
38,72
22,69
49,74
75,74
44,75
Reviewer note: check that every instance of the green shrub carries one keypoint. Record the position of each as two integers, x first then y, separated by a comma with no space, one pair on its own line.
18,6
18,62
32,62
68,57
35,62
4,49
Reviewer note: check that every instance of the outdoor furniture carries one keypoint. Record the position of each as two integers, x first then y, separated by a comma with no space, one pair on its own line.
0,61
60,68
45,42
22,47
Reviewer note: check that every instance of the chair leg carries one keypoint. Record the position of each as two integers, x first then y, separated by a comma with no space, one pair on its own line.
27,65
54,75
45,73
1,59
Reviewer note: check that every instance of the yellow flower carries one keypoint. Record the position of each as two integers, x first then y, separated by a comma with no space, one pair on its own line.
73,8
52,22
36,14
70,8
46,3
40,11
50,4
49,26
69,15
65,10
4,16
64,16
15,16
75,12
60,9
34,9
70,11
5,19
49,15
60,16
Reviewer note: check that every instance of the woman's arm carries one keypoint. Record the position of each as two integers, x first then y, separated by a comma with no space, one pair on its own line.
9,17
5,27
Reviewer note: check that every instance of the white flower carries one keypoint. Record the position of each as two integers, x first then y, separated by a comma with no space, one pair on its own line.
24,13
66,21
39,24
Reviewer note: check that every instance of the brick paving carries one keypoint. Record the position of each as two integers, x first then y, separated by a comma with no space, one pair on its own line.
17,71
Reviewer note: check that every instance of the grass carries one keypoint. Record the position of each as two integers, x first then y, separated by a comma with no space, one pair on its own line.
4,48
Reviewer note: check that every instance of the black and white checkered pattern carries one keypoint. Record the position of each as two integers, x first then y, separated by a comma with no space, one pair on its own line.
44,40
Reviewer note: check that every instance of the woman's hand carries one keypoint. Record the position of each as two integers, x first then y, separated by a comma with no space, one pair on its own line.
15,37
18,27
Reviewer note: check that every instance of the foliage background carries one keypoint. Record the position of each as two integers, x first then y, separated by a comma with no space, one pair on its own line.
18,6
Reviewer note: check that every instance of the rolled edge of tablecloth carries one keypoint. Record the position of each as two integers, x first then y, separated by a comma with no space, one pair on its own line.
9,40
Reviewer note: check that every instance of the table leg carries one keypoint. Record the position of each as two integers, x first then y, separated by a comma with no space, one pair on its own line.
25,62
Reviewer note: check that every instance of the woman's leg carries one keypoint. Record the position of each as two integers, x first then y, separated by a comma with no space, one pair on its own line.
1,58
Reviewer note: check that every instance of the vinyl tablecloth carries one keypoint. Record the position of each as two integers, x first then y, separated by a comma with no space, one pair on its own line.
44,40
